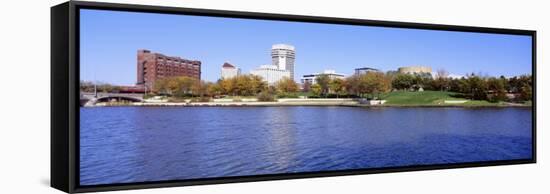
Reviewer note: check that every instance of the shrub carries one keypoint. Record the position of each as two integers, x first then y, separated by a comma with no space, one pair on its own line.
265,97
287,95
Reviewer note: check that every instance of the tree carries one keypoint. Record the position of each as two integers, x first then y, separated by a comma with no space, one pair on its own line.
455,84
526,93
374,83
200,88
337,86
86,86
474,87
226,86
505,83
316,89
441,81
286,85
403,81
306,87
184,85
525,87
243,85
179,86
352,85
513,84
257,84
214,89
323,81
497,89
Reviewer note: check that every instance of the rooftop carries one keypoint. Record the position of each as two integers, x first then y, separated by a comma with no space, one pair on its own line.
227,65
282,46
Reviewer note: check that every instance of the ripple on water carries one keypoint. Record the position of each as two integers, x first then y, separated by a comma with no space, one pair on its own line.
136,144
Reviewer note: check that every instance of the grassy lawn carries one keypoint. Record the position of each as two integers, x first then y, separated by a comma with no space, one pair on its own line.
429,98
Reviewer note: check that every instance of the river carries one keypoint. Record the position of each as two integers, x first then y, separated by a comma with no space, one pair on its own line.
139,144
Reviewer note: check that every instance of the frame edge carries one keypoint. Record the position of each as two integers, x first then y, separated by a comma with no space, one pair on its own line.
59,109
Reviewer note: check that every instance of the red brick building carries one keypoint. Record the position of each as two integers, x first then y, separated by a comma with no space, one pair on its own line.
154,66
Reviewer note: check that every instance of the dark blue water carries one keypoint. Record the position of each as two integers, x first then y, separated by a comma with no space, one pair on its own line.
137,144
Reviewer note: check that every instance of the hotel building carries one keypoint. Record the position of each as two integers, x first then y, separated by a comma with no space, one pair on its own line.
153,66
282,56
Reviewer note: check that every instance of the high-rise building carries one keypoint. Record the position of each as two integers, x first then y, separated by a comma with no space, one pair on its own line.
153,66
270,73
283,56
229,71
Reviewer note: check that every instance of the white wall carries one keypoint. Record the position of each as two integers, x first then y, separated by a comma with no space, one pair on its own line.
24,130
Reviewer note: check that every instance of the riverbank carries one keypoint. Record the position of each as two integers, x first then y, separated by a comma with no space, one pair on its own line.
393,99
307,102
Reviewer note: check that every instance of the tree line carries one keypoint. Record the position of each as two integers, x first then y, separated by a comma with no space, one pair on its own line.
472,86
476,87
368,85
242,85
90,87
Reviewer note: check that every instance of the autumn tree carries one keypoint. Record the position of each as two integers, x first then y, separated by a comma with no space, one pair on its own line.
316,89
337,86
375,83
323,81
352,85
214,89
286,85
371,83
243,85
200,88
179,86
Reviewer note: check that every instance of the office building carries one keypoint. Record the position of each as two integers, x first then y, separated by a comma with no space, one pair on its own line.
311,78
364,70
270,73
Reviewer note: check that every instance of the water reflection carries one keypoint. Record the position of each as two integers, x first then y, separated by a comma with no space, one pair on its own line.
136,144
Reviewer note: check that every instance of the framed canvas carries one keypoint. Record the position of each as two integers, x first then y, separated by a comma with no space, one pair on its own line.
149,96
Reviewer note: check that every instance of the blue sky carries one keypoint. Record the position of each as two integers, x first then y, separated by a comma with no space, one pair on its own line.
109,42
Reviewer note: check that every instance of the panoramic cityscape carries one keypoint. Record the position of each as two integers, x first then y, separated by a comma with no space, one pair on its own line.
204,97
170,80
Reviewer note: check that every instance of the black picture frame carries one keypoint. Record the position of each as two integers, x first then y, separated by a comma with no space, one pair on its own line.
65,93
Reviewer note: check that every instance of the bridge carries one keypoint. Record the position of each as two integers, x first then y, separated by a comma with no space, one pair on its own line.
90,99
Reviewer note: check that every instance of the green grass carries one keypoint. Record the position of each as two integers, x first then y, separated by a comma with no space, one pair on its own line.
431,98
483,103
412,98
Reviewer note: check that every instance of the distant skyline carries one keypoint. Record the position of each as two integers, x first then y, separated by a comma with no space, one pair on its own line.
109,41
